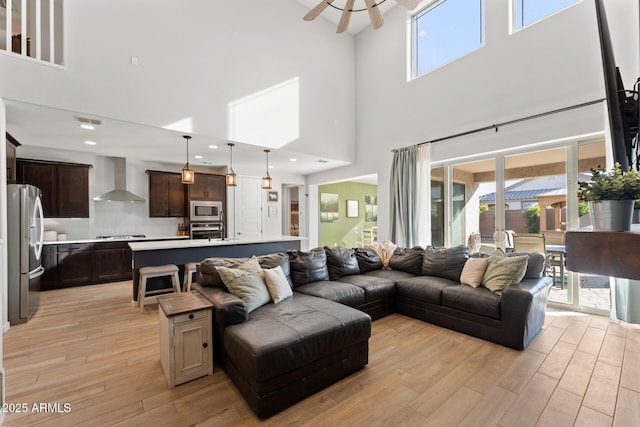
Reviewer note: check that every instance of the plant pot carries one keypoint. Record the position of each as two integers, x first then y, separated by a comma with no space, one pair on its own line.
636,216
611,215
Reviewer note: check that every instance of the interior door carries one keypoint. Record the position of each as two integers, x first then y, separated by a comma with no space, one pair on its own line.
249,209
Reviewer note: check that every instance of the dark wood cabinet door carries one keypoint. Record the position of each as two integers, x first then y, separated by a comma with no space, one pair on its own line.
43,176
218,187
113,261
177,195
11,162
198,190
158,194
49,278
75,264
72,191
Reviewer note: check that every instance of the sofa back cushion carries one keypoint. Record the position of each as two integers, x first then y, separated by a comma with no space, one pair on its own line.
408,260
368,260
535,264
341,262
447,263
209,276
279,259
307,267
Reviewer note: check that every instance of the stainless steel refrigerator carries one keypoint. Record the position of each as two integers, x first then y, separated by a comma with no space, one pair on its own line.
25,232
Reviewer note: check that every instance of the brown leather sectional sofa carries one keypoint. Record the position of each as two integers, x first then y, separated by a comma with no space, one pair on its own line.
280,353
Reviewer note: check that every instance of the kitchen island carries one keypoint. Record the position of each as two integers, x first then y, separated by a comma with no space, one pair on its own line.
181,252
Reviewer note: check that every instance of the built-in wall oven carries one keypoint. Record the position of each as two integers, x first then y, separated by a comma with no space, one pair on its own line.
207,230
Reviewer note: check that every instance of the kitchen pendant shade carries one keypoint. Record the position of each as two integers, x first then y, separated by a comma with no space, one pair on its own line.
231,177
267,180
188,175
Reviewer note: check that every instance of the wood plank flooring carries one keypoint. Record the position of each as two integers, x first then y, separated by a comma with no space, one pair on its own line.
90,348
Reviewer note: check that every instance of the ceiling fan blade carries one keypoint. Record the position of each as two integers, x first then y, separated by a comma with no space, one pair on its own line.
313,13
374,14
346,16
409,4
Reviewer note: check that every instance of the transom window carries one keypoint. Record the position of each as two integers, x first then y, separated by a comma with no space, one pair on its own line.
529,11
445,31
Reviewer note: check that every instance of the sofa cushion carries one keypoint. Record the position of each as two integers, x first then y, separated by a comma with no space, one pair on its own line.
407,259
341,262
208,275
447,263
277,284
504,271
308,267
375,288
473,271
393,275
472,300
425,288
280,338
535,264
280,259
368,260
343,293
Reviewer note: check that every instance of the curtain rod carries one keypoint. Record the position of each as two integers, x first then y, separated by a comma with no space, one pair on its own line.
510,122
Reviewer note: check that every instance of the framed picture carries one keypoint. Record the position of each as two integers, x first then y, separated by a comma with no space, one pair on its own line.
328,207
273,196
370,208
352,209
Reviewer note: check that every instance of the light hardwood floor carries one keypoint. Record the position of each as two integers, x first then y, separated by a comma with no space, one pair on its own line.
90,348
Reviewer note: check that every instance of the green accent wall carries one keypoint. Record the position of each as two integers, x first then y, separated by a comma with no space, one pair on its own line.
343,231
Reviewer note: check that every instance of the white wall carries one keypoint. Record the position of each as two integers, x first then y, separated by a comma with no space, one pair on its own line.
552,64
195,58
3,245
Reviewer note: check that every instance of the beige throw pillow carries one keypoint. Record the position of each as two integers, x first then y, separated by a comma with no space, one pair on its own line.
504,271
277,284
473,271
247,283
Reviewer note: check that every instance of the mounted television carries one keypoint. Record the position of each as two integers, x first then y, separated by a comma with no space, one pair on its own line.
623,105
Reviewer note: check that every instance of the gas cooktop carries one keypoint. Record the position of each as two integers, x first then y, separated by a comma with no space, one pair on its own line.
122,237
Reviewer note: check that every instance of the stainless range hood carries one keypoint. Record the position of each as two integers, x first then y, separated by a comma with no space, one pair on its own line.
120,192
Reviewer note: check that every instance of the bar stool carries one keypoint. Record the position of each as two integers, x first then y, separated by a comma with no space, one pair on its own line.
157,271
190,269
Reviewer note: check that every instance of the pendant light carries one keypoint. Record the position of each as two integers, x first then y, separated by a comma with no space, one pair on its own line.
188,175
230,177
266,180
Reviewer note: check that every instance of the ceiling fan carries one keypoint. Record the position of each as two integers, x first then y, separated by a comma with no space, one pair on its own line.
371,7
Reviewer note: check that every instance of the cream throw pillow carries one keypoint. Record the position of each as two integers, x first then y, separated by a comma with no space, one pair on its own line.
277,284
247,283
473,271
504,271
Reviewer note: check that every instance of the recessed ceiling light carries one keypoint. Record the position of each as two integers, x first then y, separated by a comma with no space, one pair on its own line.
213,147
293,160
88,127
198,157
271,166
90,143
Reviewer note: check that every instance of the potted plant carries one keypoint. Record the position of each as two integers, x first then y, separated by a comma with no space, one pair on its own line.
636,212
611,197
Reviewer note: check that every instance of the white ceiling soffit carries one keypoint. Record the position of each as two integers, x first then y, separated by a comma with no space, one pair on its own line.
37,126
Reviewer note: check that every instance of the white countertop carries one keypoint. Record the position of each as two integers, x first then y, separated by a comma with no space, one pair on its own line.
137,239
199,243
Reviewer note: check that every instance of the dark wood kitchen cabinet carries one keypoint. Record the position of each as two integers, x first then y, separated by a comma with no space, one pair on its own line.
112,261
64,186
12,144
167,194
75,264
208,186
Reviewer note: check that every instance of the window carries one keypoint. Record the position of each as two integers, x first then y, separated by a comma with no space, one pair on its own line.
447,30
530,11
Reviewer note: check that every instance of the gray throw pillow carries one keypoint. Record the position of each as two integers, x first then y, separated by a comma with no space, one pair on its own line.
504,271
